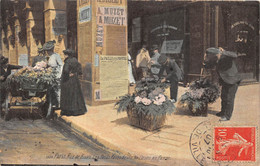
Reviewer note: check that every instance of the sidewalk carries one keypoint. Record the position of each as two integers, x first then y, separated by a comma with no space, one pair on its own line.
104,125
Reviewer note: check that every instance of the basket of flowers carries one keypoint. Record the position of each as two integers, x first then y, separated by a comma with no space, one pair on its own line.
148,106
32,81
199,95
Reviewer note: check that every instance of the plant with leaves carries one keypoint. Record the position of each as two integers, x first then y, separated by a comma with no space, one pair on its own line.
148,99
200,93
39,77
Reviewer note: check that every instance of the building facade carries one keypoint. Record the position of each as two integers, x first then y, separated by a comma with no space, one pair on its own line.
101,30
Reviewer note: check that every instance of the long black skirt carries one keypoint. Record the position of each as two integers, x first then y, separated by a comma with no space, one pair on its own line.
72,100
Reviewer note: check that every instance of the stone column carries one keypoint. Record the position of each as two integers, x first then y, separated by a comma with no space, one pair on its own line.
102,49
34,27
1,38
20,32
55,19
11,39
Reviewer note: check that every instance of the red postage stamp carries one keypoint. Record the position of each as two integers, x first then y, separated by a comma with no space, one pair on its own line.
235,143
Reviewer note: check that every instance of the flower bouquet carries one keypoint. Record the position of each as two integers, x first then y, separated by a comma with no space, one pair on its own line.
199,95
33,79
147,106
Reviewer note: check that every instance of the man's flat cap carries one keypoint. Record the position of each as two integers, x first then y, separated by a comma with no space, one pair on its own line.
162,59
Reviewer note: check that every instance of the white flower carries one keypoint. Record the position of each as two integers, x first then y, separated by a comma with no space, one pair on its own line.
138,99
146,101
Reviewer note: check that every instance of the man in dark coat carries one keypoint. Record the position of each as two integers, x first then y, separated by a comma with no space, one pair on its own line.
174,74
5,71
72,100
228,77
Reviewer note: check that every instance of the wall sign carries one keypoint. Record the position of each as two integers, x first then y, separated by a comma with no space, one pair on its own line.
242,34
96,60
23,60
113,76
111,16
84,14
97,94
100,36
172,47
242,23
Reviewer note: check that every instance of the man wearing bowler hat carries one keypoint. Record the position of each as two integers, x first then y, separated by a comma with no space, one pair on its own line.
174,74
229,78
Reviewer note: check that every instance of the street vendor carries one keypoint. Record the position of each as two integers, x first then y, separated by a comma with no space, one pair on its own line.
40,57
174,74
5,71
56,63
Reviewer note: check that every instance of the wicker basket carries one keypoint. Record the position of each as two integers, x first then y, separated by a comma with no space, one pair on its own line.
203,111
146,122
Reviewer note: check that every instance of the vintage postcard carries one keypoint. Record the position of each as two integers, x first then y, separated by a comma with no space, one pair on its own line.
129,82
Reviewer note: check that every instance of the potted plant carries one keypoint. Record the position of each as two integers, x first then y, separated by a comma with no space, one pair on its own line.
147,106
199,95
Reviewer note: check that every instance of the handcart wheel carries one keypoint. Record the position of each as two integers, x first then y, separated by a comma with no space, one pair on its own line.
6,107
49,112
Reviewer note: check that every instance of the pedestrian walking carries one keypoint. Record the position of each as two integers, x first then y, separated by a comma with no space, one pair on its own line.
229,77
174,74
155,66
55,63
40,57
143,61
72,100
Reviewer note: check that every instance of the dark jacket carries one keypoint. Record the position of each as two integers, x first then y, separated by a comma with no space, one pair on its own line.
227,69
7,72
72,100
173,71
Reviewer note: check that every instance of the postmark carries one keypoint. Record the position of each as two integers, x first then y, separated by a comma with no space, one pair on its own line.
201,143
234,144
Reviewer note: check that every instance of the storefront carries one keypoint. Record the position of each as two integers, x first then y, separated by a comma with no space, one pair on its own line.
183,31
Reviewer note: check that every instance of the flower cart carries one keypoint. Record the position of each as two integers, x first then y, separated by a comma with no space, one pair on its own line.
147,107
27,92
199,95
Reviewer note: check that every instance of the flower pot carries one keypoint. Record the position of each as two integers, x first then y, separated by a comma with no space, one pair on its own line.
146,122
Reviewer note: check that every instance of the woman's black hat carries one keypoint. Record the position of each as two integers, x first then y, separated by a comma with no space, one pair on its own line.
69,52
49,45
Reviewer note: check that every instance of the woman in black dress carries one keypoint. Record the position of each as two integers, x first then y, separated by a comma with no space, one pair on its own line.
72,100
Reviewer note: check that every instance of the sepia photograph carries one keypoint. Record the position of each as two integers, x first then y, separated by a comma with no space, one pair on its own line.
129,83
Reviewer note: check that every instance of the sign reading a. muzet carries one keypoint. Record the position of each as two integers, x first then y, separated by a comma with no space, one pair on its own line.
111,16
